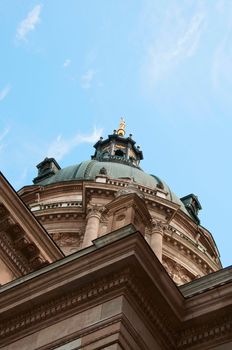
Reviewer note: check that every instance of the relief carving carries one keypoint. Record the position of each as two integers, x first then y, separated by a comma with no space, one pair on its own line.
69,242
177,272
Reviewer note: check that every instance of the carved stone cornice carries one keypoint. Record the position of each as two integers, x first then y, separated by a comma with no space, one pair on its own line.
188,249
201,335
62,304
70,302
19,253
64,215
14,260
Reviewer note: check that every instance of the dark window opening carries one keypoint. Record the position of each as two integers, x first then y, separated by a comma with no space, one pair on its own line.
119,153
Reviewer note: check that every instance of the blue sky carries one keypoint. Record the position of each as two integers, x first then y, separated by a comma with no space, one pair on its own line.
70,69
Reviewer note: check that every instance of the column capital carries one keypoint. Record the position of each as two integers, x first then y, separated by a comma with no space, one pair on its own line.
94,210
158,226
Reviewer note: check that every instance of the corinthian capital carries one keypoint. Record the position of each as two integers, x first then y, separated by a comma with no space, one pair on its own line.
157,226
94,210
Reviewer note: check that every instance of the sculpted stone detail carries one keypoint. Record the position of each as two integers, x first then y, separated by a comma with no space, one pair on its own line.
16,246
16,259
94,210
158,226
69,242
177,272
129,188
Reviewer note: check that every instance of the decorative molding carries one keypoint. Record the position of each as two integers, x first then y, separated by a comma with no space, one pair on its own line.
69,302
69,242
187,249
13,257
16,246
200,335
35,207
63,303
178,273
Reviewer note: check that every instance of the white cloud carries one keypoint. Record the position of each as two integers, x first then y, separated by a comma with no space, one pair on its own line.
222,65
4,92
60,147
67,63
87,79
175,44
3,134
29,23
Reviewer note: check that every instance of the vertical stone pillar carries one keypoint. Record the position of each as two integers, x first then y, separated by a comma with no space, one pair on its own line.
104,225
92,226
157,232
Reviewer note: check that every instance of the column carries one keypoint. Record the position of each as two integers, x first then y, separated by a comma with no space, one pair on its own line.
92,226
157,238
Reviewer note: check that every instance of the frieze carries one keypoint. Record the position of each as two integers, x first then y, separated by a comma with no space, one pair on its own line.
60,216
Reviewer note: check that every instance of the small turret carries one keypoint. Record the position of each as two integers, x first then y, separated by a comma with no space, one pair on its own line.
118,148
193,206
46,168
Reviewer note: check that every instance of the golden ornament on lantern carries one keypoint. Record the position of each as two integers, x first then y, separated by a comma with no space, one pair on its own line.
121,131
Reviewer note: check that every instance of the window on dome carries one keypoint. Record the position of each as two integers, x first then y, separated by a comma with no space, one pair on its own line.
119,153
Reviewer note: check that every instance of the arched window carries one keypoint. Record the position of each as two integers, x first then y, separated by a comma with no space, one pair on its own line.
119,153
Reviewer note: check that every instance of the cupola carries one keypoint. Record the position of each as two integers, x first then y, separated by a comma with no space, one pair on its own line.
118,148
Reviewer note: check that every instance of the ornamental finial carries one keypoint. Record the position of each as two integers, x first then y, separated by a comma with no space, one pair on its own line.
121,131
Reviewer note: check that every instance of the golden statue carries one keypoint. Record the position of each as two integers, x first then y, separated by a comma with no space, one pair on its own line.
121,131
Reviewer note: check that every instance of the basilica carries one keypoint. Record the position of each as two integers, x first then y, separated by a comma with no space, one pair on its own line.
102,255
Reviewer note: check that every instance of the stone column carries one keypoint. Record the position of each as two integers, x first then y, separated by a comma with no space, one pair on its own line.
92,226
157,232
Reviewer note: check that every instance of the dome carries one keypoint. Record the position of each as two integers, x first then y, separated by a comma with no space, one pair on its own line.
89,169
83,201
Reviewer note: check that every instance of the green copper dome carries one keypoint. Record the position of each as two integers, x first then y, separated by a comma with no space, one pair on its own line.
89,169
117,157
